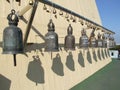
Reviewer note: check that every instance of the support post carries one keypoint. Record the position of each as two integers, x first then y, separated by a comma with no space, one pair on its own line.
30,22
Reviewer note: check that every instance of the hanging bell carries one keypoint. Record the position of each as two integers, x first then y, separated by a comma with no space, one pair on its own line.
113,42
92,39
110,42
12,36
83,41
104,41
99,41
51,38
69,39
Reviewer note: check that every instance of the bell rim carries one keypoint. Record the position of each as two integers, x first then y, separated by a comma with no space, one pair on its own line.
13,52
51,50
69,48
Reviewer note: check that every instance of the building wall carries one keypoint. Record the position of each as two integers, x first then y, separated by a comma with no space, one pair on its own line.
57,70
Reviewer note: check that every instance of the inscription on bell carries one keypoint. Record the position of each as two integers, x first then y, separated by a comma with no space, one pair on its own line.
99,43
84,42
93,42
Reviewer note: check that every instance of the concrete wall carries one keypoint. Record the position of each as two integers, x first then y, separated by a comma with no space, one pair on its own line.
57,70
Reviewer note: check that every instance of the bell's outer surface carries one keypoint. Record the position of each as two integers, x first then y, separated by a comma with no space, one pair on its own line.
12,40
99,43
51,41
93,42
83,41
104,43
69,42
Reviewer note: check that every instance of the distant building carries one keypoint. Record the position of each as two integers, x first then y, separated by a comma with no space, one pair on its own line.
113,53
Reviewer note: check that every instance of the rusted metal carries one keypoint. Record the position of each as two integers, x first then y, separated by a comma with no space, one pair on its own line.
69,39
51,38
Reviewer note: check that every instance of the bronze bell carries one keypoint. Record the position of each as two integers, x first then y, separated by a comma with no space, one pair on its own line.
110,41
51,38
83,41
99,41
92,39
12,36
104,41
69,39
113,42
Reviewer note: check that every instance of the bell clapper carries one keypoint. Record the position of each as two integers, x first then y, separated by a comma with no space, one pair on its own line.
14,57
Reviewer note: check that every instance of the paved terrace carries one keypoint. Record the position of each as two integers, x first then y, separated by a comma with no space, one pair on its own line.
108,78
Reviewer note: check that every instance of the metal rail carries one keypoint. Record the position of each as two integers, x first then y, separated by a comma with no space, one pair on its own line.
74,14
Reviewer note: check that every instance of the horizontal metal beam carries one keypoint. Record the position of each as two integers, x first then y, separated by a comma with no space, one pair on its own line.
54,5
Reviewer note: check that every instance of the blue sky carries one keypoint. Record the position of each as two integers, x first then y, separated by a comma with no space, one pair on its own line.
109,11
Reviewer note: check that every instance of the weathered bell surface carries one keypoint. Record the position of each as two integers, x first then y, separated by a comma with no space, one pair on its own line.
51,38
99,41
69,39
110,41
83,41
12,36
92,39
113,42
104,41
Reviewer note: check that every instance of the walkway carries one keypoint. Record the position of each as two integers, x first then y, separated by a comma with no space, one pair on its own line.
107,78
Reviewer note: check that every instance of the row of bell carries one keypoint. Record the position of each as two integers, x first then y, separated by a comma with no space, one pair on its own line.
13,42
13,39
51,39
